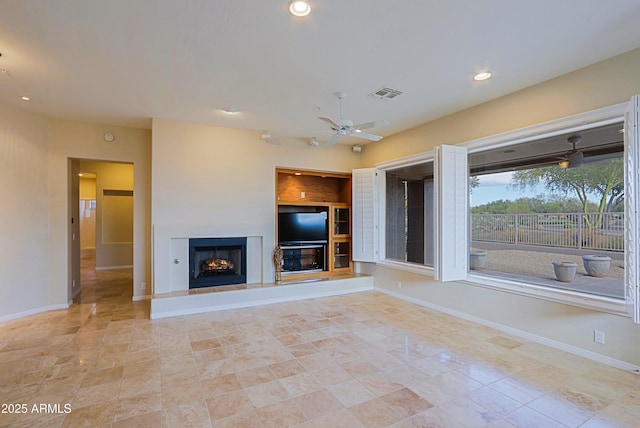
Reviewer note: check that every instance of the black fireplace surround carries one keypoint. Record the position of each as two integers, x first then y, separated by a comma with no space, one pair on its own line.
217,261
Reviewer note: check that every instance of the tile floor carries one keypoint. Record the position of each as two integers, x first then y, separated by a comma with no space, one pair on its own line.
359,360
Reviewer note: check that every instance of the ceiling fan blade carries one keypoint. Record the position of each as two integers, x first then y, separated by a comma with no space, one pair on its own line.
366,136
333,140
334,125
369,125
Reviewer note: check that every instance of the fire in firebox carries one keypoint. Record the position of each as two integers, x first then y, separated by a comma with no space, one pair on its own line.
210,267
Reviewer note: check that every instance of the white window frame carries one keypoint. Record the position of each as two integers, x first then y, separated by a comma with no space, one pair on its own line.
452,219
450,205
632,207
364,214
382,218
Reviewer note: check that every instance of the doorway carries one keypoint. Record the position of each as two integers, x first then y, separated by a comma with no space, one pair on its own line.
102,222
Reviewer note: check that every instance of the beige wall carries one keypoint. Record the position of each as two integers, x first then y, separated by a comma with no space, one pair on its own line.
208,178
24,224
603,84
87,188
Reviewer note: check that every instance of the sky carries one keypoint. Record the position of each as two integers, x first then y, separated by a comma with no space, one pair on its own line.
494,187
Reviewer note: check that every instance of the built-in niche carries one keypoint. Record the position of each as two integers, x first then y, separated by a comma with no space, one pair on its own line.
117,216
313,221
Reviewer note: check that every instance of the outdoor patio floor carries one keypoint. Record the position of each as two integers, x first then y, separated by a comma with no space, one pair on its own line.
532,264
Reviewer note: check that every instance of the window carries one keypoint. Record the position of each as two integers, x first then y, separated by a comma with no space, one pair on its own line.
391,228
548,201
422,213
603,121
409,214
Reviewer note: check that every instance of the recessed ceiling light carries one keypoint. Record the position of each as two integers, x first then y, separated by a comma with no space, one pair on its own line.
299,8
484,75
25,98
230,110
298,173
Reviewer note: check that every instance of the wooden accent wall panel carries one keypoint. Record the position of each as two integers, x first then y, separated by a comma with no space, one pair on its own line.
316,189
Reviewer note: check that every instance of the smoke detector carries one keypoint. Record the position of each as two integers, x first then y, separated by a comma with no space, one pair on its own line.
357,148
313,142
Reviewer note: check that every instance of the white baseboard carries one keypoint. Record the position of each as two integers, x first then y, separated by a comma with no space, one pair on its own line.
34,311
622,365
139,298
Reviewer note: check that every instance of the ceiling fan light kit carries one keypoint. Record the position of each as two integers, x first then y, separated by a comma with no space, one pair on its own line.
345,127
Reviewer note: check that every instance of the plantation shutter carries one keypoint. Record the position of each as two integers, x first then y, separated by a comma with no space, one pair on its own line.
632,206
452,199
364,212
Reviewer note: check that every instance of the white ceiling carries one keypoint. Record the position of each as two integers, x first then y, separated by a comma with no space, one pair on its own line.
123,62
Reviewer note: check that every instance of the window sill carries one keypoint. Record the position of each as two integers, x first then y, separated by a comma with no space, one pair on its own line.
567,297
407,267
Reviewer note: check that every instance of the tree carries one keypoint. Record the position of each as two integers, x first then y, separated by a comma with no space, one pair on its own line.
604,180
541,204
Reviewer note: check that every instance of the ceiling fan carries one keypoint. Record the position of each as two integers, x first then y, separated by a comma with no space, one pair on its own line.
345,127
574,158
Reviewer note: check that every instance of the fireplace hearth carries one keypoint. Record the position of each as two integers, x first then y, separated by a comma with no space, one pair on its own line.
217,261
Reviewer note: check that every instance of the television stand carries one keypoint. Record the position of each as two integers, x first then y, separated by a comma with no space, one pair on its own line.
304,258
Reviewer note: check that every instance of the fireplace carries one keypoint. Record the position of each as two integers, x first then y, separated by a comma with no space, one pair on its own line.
217,261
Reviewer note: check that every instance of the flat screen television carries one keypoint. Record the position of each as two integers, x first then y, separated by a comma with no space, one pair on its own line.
301,228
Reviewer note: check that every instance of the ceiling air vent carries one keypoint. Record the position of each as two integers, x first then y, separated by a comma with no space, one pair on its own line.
385,93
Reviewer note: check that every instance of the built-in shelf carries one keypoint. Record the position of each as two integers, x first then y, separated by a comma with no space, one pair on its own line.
318,191
304,259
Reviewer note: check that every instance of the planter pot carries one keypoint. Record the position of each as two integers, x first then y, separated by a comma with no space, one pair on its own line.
477,259
565,271
597,266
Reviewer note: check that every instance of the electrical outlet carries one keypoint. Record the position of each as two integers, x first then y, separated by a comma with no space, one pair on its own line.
303,195
399,284
73,283
598,336
143,285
